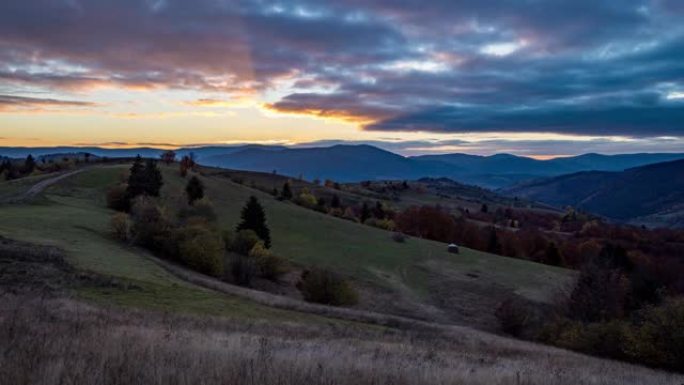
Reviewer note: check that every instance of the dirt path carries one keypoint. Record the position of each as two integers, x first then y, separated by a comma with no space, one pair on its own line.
42,185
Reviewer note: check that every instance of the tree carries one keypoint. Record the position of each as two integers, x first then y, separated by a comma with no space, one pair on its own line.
484,208
552,255
153,178
493,246
254,218
29,164
335,202
194,190
136,179
144,179
365,212
186,163
286,193
168,157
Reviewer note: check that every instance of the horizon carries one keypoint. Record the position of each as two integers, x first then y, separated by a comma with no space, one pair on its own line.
589,76
310,145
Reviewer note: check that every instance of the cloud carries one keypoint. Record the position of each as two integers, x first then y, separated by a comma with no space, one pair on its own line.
9,103
589,67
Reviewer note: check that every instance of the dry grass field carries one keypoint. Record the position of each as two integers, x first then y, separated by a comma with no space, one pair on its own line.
52,340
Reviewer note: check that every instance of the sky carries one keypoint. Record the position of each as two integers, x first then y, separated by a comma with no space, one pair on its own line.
540,78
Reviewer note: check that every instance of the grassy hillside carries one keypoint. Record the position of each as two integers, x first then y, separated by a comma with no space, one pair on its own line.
72,215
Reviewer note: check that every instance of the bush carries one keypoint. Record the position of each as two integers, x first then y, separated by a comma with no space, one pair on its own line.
121,226
399,237
242,269
270,266
658,337
325,287
385,224
306,199
513,316
202,208
243,242
117,198
202,250
149,223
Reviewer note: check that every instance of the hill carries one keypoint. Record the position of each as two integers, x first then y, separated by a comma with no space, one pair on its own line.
652,194
342,163
163,317
354,163
417,278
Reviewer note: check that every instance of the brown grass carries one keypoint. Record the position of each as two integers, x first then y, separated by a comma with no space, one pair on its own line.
61,341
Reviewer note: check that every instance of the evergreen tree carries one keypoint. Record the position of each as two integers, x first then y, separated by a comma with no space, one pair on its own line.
379,211
254,218
493,246
365,212
136,179
335,203
194,189
286,194
29,164
144,178
153,178
553,256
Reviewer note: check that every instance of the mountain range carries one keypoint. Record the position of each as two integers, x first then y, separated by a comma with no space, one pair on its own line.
352,163
651,195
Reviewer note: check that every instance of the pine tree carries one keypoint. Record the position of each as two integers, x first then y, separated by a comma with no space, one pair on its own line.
335,203
286,194
136,179
365,212
254,218
194,189
29,164
494,246
553,256
153,178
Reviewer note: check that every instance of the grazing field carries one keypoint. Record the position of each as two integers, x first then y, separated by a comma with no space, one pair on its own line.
100,311
400,276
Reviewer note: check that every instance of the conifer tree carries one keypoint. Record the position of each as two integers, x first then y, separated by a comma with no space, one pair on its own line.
29,164
335,203
286,193
254,218
136,179
153,178
365,212
194,189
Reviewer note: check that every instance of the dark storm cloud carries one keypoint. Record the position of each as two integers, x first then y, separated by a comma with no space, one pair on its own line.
595,67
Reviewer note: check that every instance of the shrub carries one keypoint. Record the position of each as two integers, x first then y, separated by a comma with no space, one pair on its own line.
306,199
149,222
270,266
399,237
117,198
202,250
325,287
658,337
194,190
202,208
242,269
121,226
243,242
385,224
513,316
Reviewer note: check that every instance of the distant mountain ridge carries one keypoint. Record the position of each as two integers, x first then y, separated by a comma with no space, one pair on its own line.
651,195
353,163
